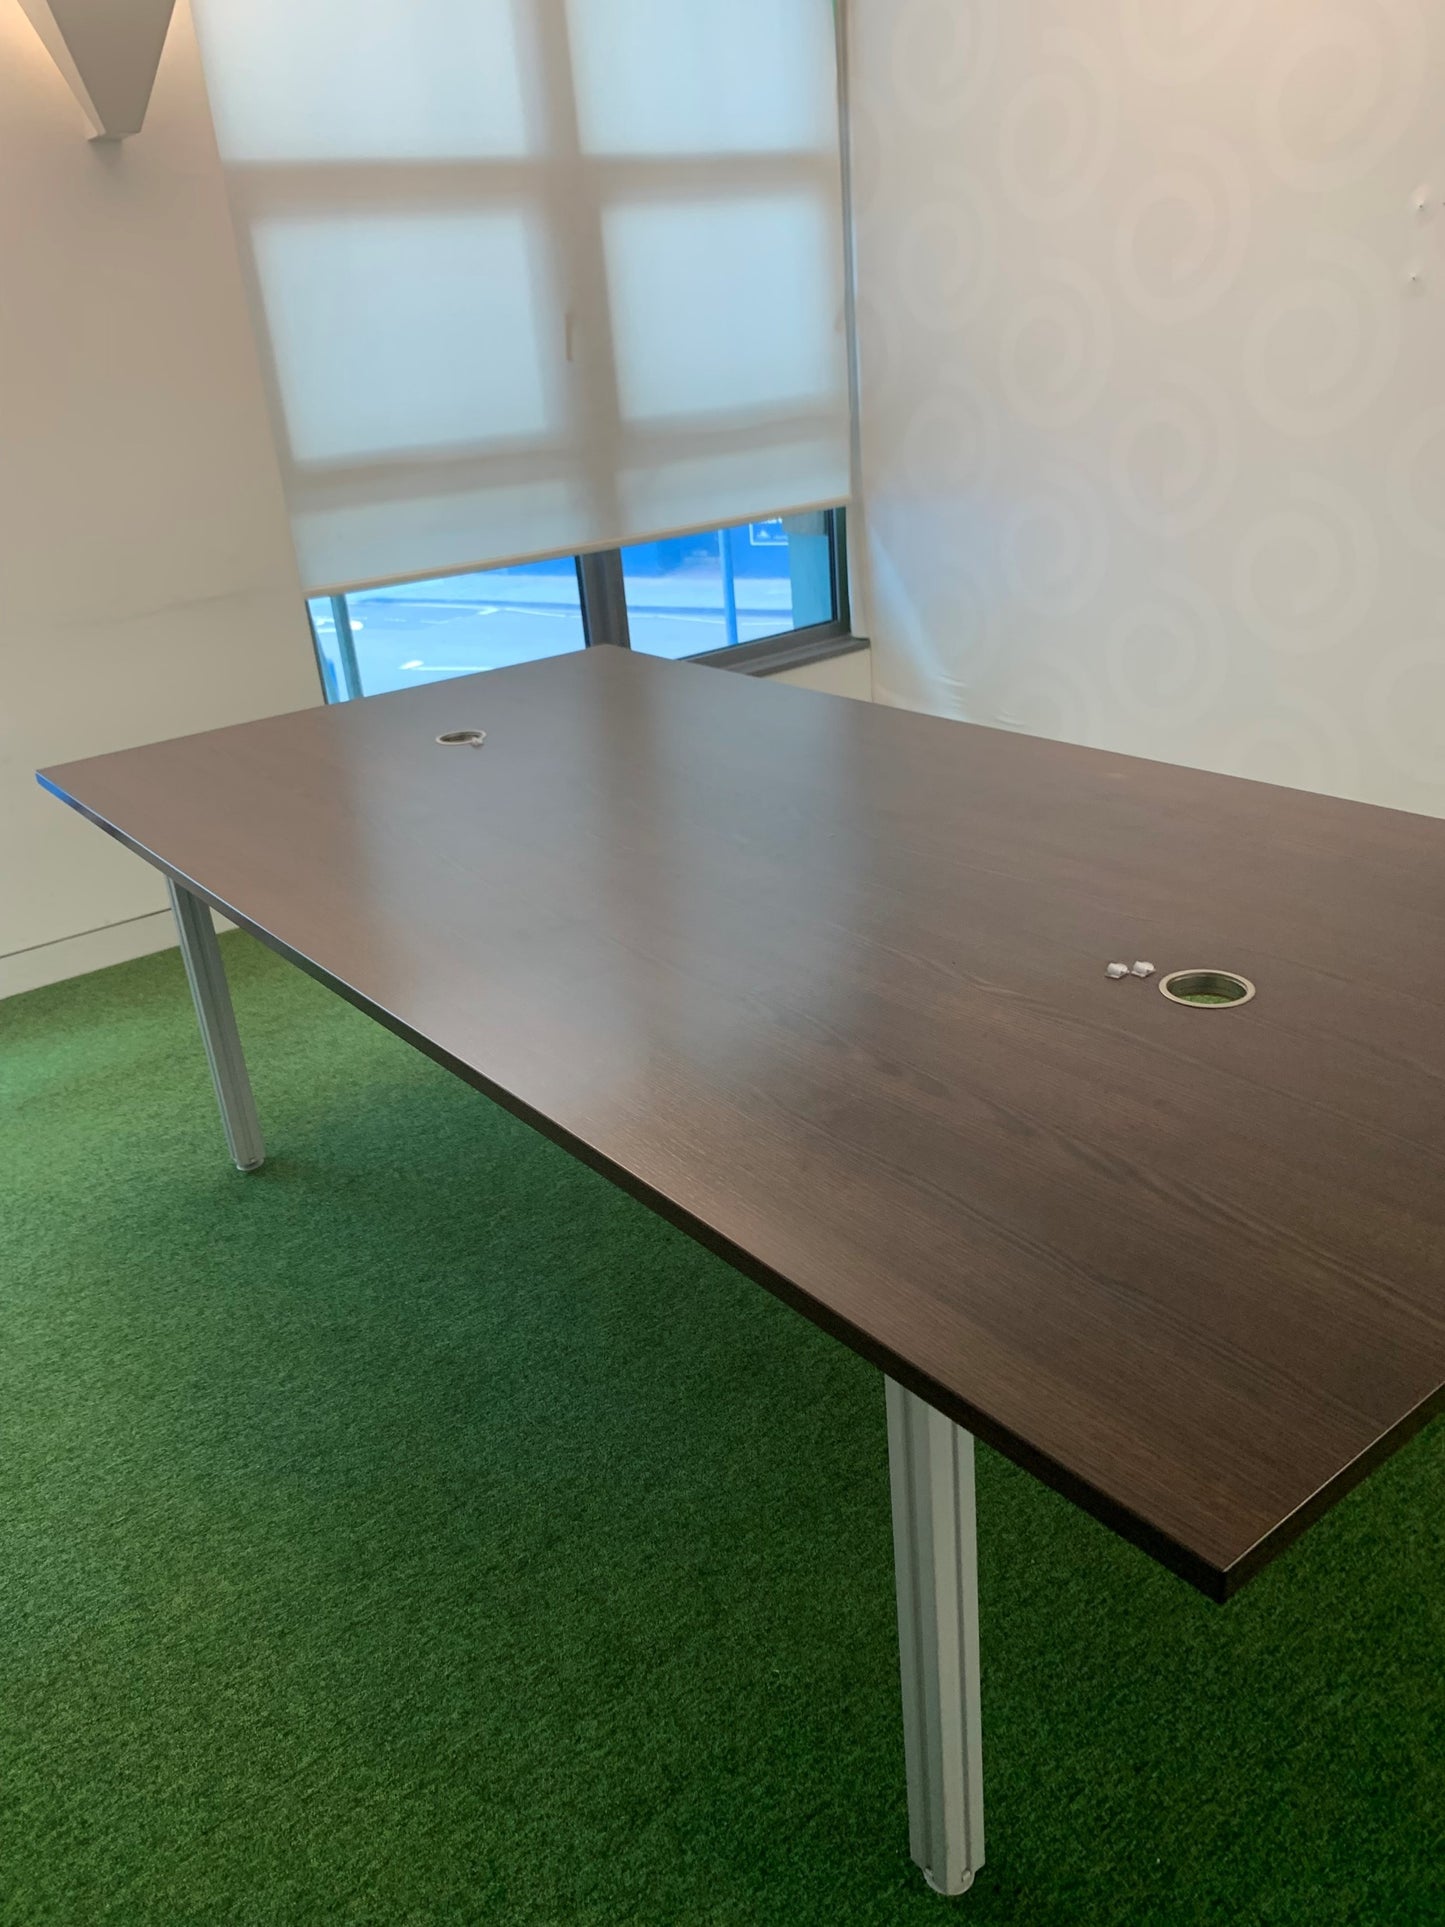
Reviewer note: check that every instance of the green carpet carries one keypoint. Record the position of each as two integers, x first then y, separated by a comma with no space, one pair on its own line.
420,1532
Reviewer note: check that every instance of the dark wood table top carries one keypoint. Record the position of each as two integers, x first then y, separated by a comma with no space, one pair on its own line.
823,983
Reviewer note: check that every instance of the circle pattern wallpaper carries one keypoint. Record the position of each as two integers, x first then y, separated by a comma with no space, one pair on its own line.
1153,410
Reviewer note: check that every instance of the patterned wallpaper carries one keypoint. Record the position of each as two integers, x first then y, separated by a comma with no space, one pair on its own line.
1150,305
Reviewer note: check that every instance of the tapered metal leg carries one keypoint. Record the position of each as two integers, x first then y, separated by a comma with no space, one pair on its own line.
207,977
935,1552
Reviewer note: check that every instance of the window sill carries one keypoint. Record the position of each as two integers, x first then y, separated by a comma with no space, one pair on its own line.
770,655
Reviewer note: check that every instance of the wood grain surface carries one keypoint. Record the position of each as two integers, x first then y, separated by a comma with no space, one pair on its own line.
824,984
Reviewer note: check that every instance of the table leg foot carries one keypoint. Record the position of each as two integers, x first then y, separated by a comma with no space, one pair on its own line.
930,1462
206,975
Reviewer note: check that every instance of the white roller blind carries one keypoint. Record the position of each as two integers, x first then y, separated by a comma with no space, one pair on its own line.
534,276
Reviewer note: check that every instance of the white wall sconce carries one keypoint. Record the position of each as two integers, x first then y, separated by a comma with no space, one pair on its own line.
109,51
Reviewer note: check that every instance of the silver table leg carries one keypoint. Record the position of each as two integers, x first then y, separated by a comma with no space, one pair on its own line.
935,1552
207,977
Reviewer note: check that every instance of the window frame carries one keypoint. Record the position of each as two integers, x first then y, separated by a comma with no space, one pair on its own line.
602,597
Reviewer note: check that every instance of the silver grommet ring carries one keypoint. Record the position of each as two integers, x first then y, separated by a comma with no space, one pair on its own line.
1207,989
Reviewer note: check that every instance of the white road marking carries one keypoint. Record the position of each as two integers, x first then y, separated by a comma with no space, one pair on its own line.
664,615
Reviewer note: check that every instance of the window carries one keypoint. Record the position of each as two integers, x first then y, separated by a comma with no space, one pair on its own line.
692,594
378,639
759,596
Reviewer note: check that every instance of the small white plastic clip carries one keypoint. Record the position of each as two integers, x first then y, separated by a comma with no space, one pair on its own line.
1142,970
1116,970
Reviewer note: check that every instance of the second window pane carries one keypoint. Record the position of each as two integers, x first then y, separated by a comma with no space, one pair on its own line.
693,593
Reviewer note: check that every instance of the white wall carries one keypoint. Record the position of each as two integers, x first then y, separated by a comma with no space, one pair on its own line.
1153,414
850,675
147,581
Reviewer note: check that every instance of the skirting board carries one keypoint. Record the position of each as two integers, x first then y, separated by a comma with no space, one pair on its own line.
51,963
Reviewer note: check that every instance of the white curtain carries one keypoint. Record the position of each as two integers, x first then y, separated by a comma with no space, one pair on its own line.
535,276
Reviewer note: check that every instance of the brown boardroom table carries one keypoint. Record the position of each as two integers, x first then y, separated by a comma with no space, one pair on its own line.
824,984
